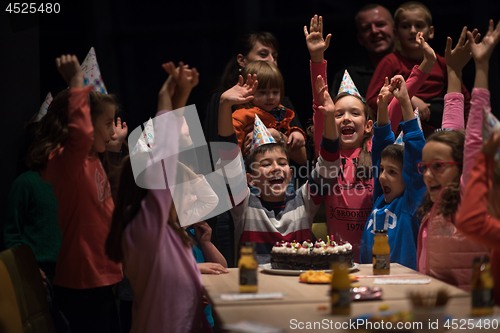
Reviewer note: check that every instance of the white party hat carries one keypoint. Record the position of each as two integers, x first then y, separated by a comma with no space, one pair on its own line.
92,74
43,109
261,135
348,86
399,140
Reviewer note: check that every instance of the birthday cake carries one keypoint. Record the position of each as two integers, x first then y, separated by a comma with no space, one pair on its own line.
305,256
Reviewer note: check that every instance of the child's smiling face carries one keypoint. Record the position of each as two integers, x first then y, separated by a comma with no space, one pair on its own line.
271,174
391,178
410,22
435,181
351,122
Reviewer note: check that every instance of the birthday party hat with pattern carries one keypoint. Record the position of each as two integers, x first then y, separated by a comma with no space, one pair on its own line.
261,135
399,140
145,142
43,109
348,86
92,74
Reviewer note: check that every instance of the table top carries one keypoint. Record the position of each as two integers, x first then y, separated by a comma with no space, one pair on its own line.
297,292
309,304
303,316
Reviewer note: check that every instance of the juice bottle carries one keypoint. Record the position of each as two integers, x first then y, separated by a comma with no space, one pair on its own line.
341,289
482,288
381,253
248,269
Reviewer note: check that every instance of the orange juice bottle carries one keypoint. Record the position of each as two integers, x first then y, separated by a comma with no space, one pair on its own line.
248,269
340,289
381,253
482,288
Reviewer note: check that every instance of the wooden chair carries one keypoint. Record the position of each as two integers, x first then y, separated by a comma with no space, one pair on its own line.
19,273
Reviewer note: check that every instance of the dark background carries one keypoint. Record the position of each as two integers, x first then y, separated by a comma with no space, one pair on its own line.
133,38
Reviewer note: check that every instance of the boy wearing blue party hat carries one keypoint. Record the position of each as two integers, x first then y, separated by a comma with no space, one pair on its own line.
272,215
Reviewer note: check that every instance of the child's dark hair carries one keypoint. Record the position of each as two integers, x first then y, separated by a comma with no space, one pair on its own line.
412,5
451,197
244,46
393,152
262,149
127,206
53,130
364,165
268,75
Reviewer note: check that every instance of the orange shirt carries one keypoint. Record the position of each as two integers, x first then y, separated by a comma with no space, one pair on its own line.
85,205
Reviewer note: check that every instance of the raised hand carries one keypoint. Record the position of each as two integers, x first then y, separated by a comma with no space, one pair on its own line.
121,130
184,80
383,98
386,92
458,57
400,91
69,68
481,52
429,54
314,39
327,107
241,93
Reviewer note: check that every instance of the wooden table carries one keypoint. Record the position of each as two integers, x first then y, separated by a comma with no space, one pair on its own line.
308,303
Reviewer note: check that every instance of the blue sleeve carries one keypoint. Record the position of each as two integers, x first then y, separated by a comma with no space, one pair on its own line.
414,182
17,205
382,137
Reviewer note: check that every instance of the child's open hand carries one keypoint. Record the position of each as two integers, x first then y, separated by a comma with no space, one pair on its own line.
121,130
314,39
457,58
183,80
481,52
240,93
211,268
327,107
429,54
491,146
69,68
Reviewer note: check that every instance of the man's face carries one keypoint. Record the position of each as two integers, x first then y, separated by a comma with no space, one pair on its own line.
376,31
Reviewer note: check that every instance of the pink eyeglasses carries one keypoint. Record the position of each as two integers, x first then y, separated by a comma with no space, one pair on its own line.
435,166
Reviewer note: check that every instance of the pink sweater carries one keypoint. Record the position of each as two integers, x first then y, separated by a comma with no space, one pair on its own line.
453,118
161,269
475,222
85,205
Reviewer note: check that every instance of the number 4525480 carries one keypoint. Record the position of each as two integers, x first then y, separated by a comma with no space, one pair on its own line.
32,8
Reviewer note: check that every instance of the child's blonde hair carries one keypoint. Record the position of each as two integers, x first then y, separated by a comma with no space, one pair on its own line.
413,5
268,75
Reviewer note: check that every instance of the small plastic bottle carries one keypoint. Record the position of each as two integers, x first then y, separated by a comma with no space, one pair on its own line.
381,253
248,269
482,288
341,289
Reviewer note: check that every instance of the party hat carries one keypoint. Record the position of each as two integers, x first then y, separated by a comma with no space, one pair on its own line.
92,74
145,142
261,135
43,109
399,140
348,86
